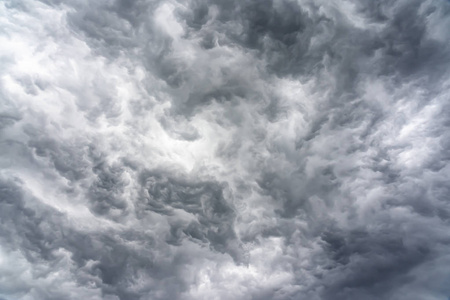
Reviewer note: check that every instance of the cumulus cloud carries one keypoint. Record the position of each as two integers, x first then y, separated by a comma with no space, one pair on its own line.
193,149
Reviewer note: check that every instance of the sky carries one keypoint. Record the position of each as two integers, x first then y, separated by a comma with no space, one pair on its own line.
225,149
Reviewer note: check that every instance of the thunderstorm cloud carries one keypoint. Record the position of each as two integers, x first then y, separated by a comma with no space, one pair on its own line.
225,149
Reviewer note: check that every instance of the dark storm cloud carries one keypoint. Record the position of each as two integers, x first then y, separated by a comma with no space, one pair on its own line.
224,149
214,215
106,260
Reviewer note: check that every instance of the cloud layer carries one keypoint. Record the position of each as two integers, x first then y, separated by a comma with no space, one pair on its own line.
271,149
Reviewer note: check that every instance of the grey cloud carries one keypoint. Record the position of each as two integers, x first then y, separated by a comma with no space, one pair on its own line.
107,260
214,215
224,149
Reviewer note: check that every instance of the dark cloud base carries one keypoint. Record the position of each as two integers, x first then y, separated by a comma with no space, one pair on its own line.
224,149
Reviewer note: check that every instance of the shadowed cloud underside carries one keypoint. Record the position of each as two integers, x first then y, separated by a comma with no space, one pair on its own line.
224,149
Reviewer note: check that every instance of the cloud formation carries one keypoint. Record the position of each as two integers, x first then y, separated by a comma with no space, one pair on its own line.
194,149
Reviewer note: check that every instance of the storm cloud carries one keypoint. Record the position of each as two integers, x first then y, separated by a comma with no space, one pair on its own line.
222,149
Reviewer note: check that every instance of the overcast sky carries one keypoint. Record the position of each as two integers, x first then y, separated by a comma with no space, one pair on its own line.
225,149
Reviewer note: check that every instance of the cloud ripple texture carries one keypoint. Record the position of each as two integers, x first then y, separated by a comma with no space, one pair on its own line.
224,149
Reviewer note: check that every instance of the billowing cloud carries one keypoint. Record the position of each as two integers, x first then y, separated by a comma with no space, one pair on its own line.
272,149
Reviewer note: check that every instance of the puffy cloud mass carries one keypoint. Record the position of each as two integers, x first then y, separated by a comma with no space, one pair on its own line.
225,149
